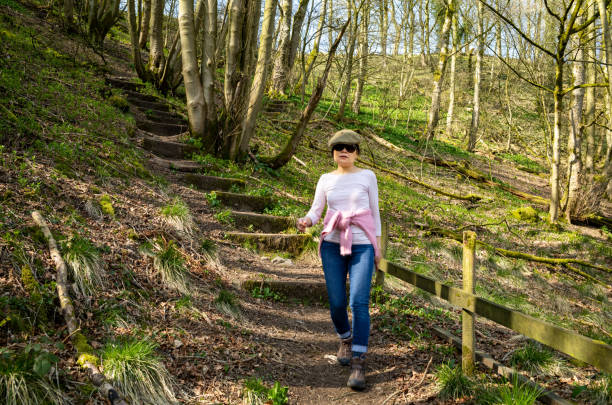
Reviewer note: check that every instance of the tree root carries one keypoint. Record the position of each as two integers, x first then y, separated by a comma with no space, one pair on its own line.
86,358
566,262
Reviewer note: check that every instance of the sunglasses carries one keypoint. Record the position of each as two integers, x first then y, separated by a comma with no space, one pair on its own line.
350,148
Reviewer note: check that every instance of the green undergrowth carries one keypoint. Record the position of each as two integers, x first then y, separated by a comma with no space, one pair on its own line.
255,392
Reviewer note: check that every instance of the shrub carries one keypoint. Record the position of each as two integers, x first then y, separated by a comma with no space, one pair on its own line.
119,102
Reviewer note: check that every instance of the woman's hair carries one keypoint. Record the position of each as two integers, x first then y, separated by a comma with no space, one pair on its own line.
356,149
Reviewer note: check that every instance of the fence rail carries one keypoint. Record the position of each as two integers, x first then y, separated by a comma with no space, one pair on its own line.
594,352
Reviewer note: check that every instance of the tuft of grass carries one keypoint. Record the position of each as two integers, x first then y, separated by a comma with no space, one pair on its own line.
138,372
227,304
25,377
170,264
518,393
600,391
453,383
533,358
83,258
177,215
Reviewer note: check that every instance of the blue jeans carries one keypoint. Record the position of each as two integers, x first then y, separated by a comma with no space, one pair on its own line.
359,265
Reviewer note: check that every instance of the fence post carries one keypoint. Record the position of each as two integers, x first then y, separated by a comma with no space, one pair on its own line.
384,237
467,317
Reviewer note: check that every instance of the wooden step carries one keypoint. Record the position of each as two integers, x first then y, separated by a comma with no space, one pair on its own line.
168,149
148,105
293,244
261,222
243,202
124,83
165,118
290,289
160,128
207,183
144,97
158,112
181,165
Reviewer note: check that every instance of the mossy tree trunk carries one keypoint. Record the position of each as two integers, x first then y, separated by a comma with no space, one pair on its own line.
453,63
157,58
589,108
101,16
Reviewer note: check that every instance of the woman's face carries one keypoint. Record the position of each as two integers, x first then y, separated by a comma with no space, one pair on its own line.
343,157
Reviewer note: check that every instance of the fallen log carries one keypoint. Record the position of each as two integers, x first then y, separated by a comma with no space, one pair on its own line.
566,262
86,357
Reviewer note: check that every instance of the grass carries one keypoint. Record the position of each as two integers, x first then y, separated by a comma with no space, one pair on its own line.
169,263
83,259
25,377
226,303
532,357
177,215
453,383
513,393
138,372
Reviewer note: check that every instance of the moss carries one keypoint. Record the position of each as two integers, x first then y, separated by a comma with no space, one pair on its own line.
119,102
526,214
107,206
33,289
84,349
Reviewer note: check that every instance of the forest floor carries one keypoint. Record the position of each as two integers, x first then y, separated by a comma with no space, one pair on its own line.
77,147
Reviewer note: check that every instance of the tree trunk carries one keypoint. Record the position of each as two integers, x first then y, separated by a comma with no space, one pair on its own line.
383,15
604,16
589,109
141,70
196,108
556,143
451,94
289,150
258,86
68,14
281,64
574,142
363,60
232,53
209,66
144,28
156,44
315,48
473,133
348,71
434,110
298,21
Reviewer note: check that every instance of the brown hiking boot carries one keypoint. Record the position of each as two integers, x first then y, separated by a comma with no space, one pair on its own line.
357,378
344,352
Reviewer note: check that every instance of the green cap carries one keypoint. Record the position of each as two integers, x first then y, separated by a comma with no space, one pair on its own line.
346,136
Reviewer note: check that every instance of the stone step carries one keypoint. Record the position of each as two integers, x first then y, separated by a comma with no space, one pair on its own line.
143,97
308,290
154,111
293,244
243,202
168,149
148,105
160,128
261,222
181,165
208,183
124,83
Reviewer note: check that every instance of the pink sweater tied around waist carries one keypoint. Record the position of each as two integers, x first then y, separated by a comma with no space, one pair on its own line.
342,220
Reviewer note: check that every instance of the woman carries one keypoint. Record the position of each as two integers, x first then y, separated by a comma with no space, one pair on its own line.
349,243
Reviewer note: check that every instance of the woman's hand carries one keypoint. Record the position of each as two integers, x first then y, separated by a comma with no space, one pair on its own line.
303,223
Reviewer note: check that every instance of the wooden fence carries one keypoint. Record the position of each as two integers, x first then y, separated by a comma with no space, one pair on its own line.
594,352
